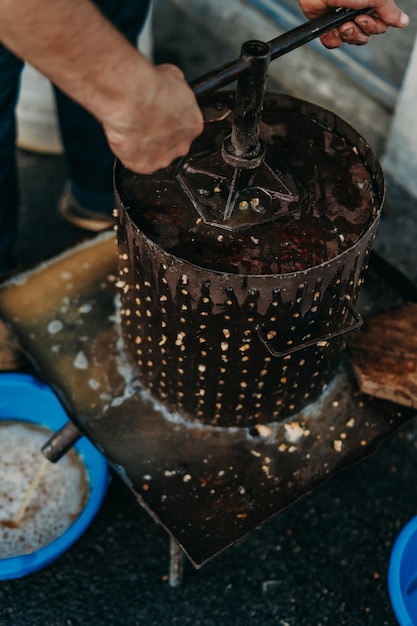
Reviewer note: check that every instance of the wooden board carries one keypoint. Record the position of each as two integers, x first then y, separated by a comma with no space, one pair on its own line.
384,355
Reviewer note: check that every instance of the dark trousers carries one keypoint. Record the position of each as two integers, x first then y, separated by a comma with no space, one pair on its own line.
89,159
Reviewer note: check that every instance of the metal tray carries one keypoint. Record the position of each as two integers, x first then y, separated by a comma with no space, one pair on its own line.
209,487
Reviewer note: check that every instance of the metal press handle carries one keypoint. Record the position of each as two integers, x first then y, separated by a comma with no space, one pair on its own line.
319,341
229,72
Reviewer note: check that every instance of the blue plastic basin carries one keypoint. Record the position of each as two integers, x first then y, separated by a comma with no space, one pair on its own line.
23,397
402,575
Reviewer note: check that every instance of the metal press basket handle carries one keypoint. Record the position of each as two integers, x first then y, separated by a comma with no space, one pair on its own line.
320,342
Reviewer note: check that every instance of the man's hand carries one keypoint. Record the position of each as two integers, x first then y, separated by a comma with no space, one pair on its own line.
156,123
382,14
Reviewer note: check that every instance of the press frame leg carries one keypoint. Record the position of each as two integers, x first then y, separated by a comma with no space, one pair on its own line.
176,564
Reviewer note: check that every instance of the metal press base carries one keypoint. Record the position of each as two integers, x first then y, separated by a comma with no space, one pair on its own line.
208,487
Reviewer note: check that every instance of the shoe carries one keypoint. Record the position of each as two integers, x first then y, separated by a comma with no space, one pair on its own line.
76,214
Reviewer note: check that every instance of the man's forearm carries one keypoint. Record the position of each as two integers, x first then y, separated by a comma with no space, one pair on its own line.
76,47
149,114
